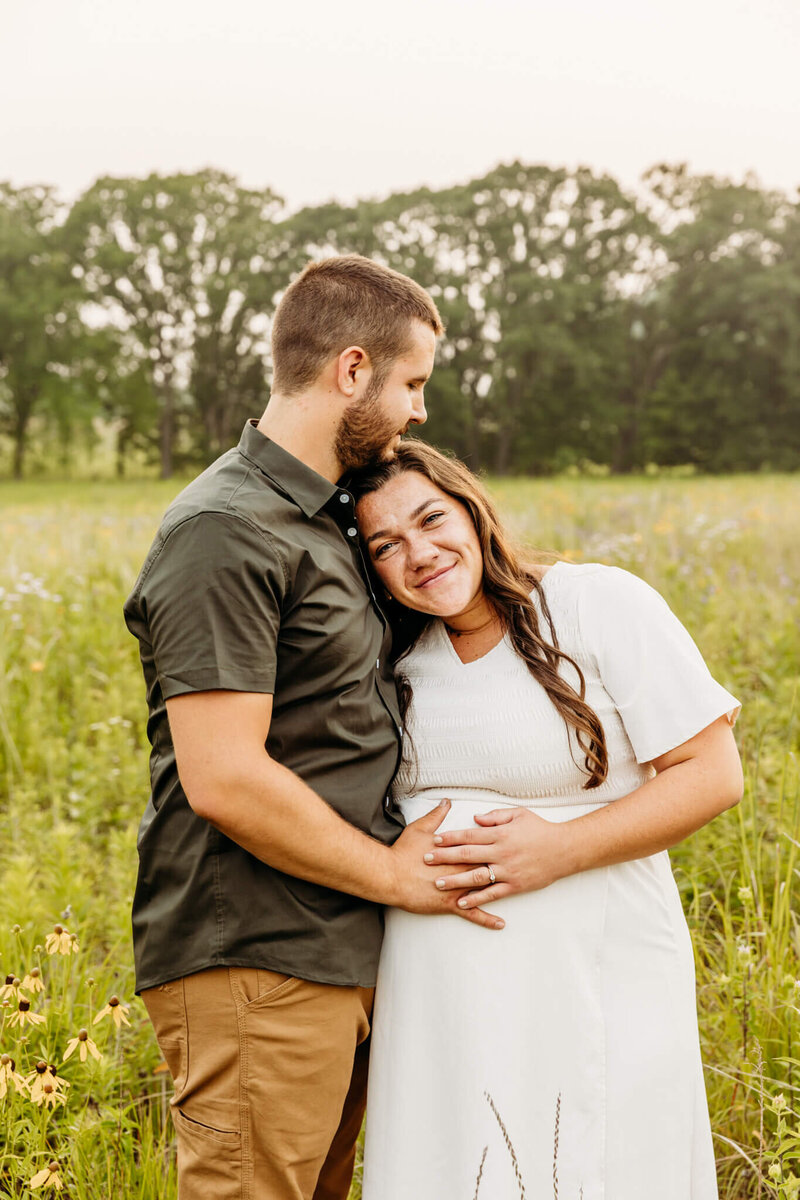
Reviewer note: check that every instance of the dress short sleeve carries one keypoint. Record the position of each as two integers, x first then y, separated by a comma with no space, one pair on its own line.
211,600
648,663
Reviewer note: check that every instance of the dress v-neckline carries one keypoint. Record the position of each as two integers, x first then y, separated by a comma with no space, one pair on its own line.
454,653
503,640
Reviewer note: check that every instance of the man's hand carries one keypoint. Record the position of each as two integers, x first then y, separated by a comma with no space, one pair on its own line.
415,881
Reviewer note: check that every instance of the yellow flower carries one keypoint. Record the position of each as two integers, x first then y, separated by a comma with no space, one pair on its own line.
33,981
46,1086
49,1177
61,941
114,1009
11,988
86,1045
37,666
8,1074
23,1015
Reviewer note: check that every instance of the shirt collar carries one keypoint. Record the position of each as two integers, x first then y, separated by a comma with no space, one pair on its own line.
308,489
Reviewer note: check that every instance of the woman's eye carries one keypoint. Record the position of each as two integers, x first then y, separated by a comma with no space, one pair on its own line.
380,550
434,516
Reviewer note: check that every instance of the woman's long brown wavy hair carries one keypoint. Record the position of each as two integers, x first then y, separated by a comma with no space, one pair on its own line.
507,584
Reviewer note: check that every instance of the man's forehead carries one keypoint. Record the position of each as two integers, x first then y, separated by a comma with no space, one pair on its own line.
423,345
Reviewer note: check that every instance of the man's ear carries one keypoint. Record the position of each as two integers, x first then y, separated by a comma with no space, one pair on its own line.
351,365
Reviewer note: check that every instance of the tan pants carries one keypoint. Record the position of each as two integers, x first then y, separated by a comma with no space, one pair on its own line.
270,1078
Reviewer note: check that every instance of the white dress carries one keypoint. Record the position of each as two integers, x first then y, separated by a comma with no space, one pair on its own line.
562,1053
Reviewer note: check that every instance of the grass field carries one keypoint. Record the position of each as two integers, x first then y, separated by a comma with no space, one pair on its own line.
73,763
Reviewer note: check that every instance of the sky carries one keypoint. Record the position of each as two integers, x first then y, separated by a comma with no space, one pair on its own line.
356,98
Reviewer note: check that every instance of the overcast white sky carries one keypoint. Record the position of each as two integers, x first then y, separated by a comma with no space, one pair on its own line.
350,98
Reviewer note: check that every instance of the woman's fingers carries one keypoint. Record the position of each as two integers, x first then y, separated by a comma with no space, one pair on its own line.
497,891
464,837
456,854
499,816
478,878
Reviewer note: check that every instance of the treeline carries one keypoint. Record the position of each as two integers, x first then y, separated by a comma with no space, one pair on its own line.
584,321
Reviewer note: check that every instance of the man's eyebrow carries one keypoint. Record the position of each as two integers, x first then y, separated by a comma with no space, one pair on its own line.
379,533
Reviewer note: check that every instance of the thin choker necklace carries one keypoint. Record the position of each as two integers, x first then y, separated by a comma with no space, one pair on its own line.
478,628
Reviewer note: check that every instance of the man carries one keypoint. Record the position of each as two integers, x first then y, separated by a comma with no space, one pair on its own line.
269,842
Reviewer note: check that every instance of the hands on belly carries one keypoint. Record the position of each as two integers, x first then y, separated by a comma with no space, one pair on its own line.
416,889
510,850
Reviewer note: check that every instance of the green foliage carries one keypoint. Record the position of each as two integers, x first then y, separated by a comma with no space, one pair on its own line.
585,321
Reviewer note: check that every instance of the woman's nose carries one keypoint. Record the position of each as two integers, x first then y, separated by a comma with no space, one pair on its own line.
421,551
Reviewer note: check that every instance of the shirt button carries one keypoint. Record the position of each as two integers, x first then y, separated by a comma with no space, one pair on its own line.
343,497
377,664
352,531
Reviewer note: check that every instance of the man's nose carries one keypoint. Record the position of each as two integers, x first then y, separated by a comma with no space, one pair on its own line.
419,413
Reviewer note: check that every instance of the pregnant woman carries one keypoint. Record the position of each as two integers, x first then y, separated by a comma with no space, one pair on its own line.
572,722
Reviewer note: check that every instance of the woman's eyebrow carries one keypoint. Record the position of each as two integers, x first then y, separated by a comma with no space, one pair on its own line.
379,533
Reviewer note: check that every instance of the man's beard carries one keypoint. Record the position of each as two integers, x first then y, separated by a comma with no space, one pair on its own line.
365,433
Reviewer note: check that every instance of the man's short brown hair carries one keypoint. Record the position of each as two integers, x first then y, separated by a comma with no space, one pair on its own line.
341,302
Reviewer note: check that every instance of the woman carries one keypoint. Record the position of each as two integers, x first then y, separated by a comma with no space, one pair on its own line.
571,721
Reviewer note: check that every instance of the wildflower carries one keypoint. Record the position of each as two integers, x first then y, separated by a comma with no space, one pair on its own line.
745,894
46,1086
10,989
24,1015
85,1044
49,1177
775,1172
114,1009
16,929
60,941
8,1074
37,666
33,981
779,1102
723,979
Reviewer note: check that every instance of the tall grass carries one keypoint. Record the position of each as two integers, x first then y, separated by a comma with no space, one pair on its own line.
73,770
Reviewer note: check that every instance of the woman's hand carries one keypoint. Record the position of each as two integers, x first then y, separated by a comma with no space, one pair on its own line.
524,851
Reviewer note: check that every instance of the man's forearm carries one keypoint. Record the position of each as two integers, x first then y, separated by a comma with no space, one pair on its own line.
272,813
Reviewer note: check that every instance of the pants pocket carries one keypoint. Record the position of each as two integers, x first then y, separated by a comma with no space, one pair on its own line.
175,1056
193,1130
256,987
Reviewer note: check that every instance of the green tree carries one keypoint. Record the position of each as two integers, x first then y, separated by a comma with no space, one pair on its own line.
185,267
37,313
727,398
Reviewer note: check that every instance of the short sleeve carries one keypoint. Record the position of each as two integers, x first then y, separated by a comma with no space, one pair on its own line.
211,600
648,664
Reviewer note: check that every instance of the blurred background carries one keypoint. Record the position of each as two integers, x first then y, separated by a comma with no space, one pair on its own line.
602,199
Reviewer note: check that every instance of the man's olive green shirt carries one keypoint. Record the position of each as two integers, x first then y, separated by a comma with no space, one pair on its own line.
255,583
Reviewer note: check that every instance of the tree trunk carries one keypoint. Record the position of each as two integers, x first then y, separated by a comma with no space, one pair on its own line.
24,407
167,431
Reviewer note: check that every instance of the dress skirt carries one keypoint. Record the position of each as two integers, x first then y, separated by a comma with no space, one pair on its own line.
558,1057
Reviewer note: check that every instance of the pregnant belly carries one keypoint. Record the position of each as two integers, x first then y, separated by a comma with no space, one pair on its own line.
466,804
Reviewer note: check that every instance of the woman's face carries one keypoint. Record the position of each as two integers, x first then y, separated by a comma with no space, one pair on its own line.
423,546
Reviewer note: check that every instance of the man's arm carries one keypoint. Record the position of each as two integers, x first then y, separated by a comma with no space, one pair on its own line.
231,781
